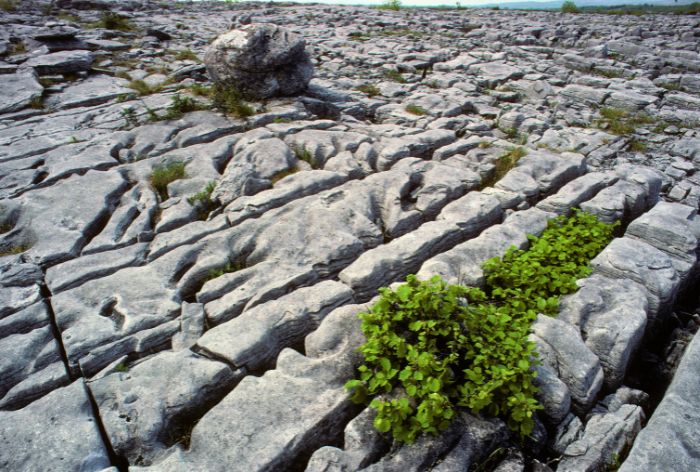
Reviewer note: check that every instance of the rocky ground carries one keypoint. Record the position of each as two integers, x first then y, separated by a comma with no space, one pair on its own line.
211,325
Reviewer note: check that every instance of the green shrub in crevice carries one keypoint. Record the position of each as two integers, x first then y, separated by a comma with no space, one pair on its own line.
433,347
202,200
162,175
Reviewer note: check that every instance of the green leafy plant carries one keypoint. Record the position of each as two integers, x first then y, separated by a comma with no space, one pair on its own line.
229,99
622,122
432,347
303,154
416,110
179,105
230,267
164,174
202,200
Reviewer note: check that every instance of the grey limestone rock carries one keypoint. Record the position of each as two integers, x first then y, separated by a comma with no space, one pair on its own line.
145,406
57,432
19,90
254,338
561,348
262,60
267,422
612,317
575,192
668,440
61,62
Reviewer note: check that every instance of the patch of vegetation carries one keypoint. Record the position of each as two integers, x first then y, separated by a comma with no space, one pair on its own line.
230,267
370,90
622,122
17,48
186,55
281,120
433,347
305,155
609,73
416,110
644,9
636,145
229,99
121,368
672,86
143,89
164,174
394,5
65,16
8,5
282,174
200,90
37,103
394,75
130,117
113,21
503,164
203,202
13,250
569,7
180,105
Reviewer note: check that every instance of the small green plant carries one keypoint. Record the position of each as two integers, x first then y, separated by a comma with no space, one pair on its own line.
13,250
303,154
200,90
113,21
202,200
65,16
8,5
394,75
186,55
281,120
230,267
142,88
636,145
609,73
394,5
569,7
164,174
370,90
416,110
130,117
37,103
503,164
180,105
121,368
229,99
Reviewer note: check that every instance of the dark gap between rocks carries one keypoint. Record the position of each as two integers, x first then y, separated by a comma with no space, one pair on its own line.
117,461
46,294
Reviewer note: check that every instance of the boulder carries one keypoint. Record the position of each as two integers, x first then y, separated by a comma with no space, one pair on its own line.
18,91
261,61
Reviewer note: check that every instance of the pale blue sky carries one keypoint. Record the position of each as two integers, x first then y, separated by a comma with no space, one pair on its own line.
423,3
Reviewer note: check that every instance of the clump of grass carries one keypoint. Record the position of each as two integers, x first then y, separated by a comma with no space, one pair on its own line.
121,368
180,105
394,75
370,90
37,103
65,16
503,164
142,88
636,145
305,155
609,73
672,86
416,110
200,90
202,200
186,55
282,174
130,117
113,21
394,5
281,120
13,250
18,48
622,122
229,99
165,174
230,267
485,144
8,5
